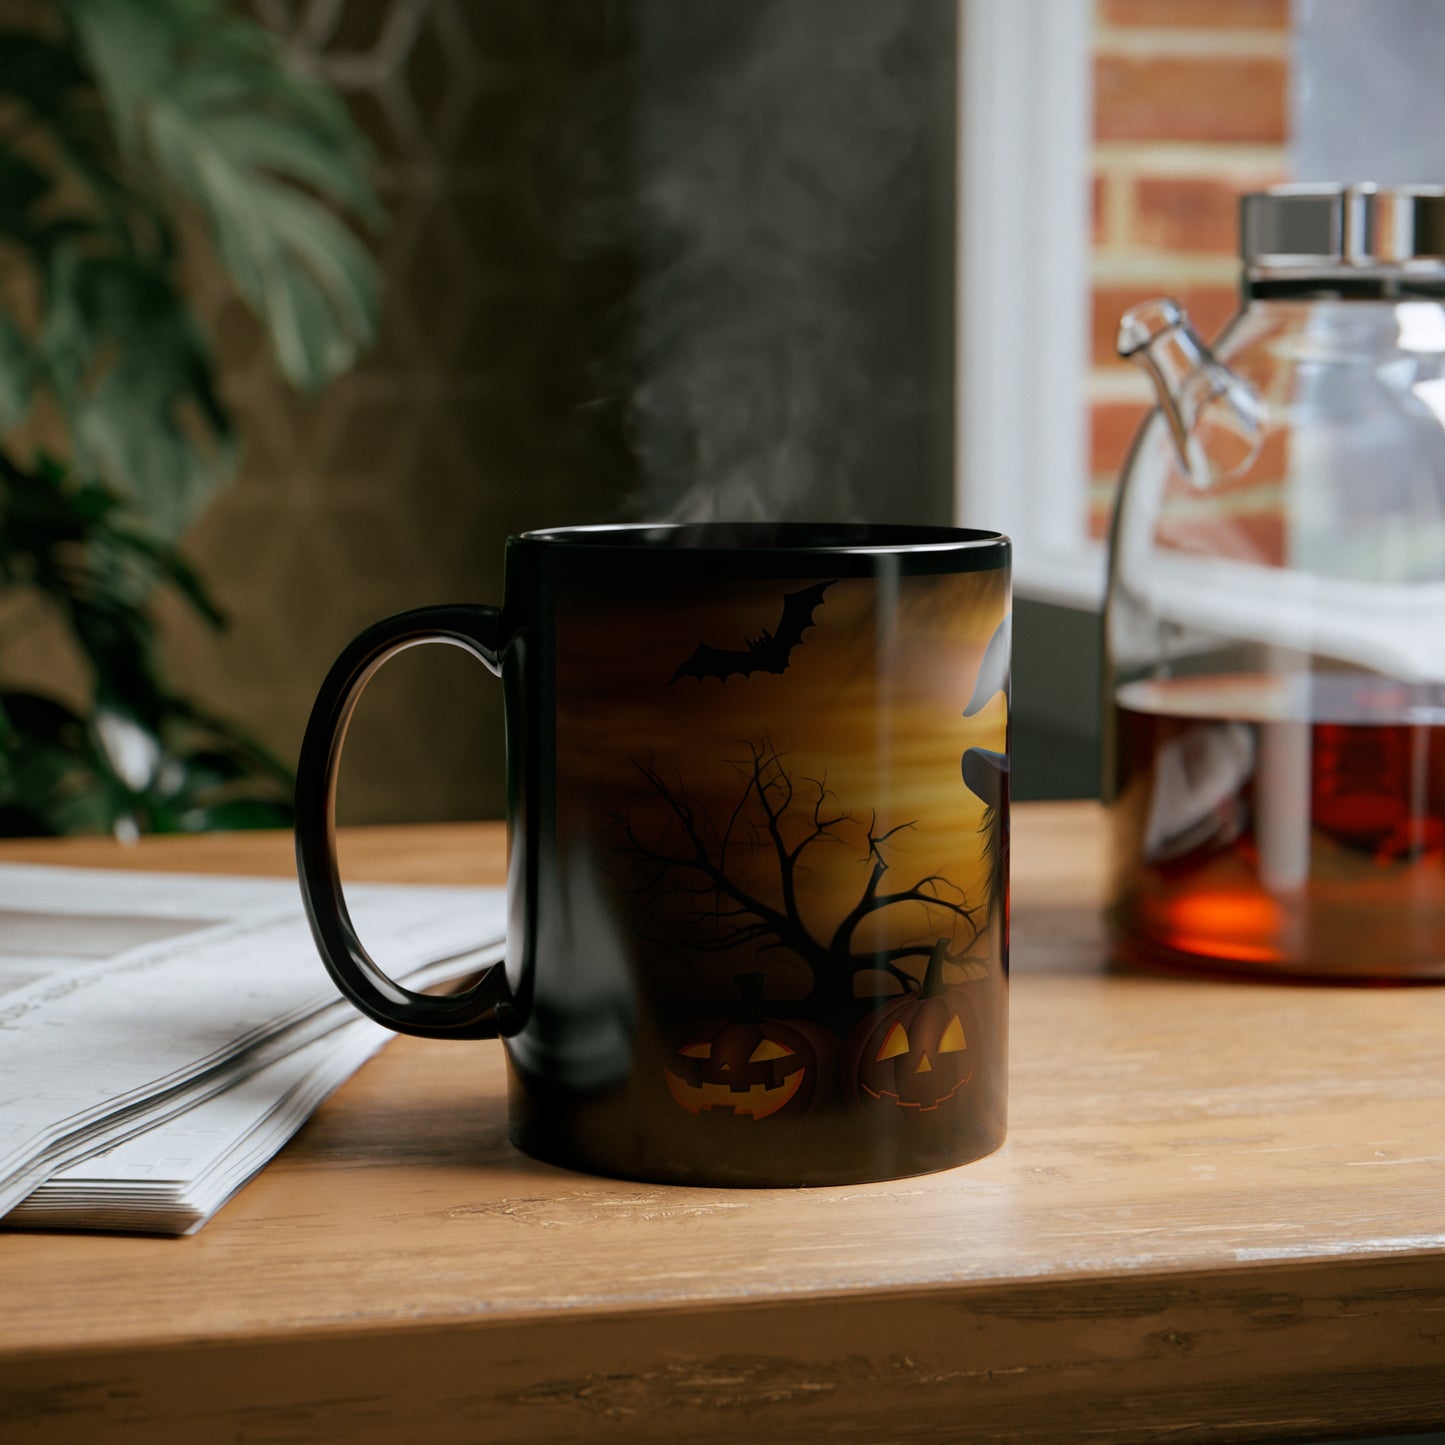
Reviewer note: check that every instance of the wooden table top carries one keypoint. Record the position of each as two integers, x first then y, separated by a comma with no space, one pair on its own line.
1220,1214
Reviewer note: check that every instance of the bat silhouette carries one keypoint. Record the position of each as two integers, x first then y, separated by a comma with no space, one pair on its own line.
768,653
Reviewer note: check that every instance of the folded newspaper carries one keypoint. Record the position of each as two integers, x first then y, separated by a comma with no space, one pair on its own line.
162,1035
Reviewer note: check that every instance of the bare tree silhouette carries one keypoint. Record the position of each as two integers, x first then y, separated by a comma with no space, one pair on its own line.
724,882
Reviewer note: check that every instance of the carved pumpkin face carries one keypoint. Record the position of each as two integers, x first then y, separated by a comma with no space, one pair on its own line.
743,1068
917,1052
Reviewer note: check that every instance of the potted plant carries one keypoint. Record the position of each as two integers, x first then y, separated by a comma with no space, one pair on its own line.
122,123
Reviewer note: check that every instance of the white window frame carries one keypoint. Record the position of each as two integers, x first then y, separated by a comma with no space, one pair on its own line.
1025,122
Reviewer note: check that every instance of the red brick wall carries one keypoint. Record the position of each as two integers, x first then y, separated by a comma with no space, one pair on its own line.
1190,111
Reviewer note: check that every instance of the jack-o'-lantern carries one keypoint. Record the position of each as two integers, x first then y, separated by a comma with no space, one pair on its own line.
919,1051
745,1066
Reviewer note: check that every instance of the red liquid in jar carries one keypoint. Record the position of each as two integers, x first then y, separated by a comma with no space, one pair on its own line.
1281,826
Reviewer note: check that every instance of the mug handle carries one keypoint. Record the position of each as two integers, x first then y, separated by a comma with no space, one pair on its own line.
467,1015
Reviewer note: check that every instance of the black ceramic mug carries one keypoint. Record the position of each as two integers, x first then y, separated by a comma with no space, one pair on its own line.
758,833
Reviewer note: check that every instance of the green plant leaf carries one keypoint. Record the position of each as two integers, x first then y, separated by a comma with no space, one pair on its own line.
129,48
39,73
171,567
17,375
49,783
73,545
22,185
218,733
207,101
62,773
135,104
133,375
46,81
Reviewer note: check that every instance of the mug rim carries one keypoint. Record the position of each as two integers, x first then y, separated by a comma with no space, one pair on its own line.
879,539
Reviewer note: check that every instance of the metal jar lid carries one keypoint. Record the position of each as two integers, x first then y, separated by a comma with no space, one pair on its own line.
1342,228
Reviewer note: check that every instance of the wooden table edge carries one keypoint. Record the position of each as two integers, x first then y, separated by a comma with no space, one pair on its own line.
1019,1357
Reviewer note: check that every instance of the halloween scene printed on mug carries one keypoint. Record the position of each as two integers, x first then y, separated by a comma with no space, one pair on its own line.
795,792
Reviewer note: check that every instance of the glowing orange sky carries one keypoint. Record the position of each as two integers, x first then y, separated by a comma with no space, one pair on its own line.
871,702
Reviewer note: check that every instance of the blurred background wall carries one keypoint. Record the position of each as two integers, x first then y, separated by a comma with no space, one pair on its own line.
663,258
645,258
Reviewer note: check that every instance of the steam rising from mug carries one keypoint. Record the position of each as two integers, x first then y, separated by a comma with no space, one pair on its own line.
778,323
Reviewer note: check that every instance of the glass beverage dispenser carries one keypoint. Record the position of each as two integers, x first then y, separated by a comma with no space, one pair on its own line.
1275,624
